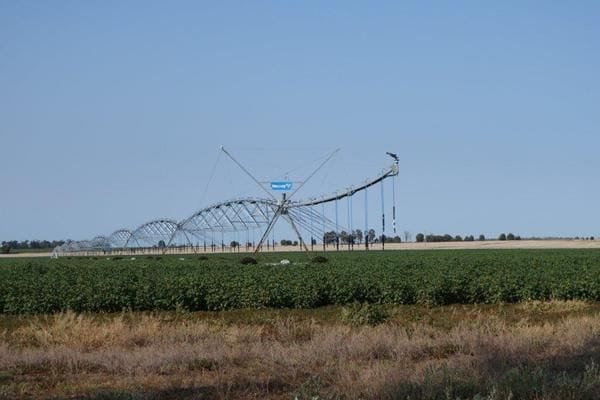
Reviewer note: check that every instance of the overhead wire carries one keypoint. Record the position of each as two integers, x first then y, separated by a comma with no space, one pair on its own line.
212,174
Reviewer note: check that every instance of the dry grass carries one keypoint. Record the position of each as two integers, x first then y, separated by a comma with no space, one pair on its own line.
536,350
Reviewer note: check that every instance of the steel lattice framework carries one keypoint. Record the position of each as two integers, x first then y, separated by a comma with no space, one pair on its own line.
232,217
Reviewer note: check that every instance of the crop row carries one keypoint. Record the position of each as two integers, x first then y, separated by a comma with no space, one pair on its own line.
221,282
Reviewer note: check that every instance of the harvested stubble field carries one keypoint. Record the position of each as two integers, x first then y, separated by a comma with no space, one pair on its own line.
361,326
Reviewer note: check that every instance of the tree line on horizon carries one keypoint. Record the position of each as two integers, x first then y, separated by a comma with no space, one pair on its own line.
356,236
7,246
420,238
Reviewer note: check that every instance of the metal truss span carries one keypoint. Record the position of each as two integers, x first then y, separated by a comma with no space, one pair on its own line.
230,216
236,215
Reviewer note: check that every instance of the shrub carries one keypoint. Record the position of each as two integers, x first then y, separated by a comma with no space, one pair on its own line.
364,314
248,260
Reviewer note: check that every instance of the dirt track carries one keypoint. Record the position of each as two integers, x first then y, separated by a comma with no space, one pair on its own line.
488,244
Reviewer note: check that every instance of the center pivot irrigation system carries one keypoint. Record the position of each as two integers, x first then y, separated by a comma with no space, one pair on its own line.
243,220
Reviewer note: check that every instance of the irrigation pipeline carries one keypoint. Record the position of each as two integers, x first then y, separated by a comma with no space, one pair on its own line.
391,172
244,214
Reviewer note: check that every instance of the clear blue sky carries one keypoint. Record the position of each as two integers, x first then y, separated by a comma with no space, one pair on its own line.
111,112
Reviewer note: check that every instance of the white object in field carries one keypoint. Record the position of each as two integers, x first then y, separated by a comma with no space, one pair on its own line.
284,262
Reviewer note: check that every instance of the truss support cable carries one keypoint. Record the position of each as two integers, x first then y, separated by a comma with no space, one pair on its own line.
314,172
212,174
247,173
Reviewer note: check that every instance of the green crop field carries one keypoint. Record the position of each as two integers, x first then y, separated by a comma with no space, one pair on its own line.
220,281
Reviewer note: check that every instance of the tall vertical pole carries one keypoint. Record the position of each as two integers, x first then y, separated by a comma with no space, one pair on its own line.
366,220
382,218
323,223
337,230
312,245
394,203
259,248
349,224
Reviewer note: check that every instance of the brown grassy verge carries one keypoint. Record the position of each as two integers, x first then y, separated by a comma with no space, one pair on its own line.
528,351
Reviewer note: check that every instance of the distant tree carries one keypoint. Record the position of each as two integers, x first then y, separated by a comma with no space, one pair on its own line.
420,238
162,244
592,238
482,237
344,237
285,242
234,244
458,238
329,237
469,238
502,236
392,239
358,235
371,235
351,238
407,236
5,249
295,243
510,236
517,237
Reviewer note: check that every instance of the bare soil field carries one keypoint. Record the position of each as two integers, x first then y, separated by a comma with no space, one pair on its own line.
475,245
537,350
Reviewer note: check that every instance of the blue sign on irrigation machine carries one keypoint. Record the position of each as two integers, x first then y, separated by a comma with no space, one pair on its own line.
281,185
